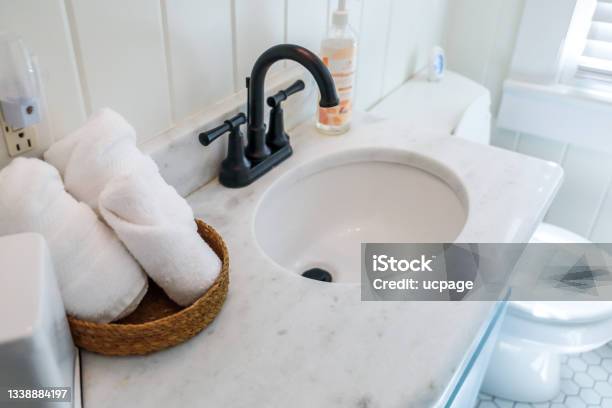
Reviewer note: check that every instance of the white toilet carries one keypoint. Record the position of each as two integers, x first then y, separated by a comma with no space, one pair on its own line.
525,365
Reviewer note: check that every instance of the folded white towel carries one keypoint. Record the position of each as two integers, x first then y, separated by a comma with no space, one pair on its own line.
153,220
143,213
99,280
103,124
103,148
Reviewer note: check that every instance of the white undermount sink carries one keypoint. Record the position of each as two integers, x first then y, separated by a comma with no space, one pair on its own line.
382,180
318,214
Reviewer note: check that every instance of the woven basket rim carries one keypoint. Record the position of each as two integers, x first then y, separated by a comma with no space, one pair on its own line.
185,310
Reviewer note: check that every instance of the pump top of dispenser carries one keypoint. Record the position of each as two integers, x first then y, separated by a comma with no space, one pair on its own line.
340,16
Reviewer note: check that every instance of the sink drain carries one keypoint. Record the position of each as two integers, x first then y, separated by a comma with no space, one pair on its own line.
318,274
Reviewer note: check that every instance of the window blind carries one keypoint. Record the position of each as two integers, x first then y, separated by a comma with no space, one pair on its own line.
596,59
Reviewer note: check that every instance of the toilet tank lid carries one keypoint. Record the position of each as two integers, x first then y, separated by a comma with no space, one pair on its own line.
437,106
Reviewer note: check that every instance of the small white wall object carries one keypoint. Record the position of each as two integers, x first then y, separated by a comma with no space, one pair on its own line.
437,64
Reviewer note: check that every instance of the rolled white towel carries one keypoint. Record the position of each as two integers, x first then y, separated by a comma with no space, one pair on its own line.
172,254
103,148
99,280
100,125
102,153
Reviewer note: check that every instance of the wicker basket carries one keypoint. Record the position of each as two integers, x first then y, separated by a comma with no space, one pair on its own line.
158,322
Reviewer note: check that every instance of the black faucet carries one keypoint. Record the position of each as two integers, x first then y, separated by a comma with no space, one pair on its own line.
243,166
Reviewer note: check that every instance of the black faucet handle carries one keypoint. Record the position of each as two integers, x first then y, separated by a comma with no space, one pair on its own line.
277,138
235,168
229,125
280,96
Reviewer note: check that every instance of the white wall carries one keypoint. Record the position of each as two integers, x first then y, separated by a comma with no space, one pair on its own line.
480,41
158,62
480,45
584,202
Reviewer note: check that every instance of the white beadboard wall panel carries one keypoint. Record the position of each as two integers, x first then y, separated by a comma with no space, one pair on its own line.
165,64
307,23
306,26
471,35
123,62
44,28
506,139
540,147
159,62
434,22
480,40
587,174
440,16
541,38
584,202
259,25
199,51
498,63
402,53
375,15
414,28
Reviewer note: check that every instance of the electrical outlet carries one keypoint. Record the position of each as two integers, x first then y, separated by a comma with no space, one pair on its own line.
18,141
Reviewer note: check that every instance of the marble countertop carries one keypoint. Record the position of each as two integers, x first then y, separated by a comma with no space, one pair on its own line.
285,341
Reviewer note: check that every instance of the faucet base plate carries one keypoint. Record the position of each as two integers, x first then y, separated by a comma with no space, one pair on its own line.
243,179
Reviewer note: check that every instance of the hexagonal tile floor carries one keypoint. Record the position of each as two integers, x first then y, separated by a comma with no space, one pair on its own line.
586,383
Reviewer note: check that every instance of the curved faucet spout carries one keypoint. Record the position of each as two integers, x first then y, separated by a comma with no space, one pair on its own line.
257,150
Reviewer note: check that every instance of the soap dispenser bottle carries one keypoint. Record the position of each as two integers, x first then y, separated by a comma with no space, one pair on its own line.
339,53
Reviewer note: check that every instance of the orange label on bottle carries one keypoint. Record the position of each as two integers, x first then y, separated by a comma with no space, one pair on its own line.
341,64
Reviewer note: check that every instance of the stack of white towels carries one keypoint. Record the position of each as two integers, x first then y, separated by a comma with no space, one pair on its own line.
148,228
